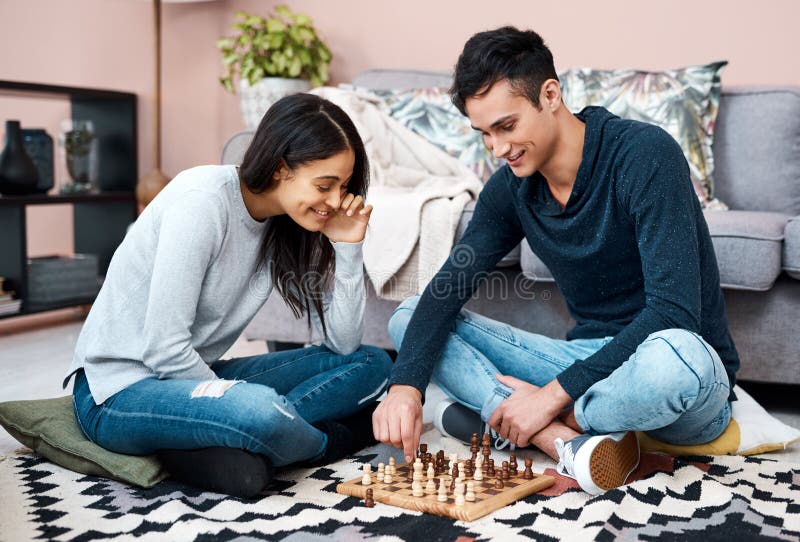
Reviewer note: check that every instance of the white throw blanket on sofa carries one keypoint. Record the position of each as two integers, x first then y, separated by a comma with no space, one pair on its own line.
418,192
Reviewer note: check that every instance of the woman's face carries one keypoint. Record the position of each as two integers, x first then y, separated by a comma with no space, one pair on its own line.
312,193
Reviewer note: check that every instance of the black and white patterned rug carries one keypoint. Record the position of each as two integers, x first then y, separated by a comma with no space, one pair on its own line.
700,498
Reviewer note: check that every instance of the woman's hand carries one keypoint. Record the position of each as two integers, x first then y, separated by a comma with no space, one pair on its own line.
349,223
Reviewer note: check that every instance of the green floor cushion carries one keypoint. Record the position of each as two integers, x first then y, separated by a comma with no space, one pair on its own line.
48,427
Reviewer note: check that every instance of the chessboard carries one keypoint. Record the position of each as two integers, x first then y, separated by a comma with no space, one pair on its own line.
488,495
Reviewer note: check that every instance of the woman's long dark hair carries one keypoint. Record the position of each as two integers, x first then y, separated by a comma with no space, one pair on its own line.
295,131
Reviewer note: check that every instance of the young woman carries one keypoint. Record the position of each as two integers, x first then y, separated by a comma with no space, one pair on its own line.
195,268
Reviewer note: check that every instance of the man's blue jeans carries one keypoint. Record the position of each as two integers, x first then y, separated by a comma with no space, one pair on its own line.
269,412
674,386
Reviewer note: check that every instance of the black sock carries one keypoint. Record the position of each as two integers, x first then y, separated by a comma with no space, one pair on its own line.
346,436
223,470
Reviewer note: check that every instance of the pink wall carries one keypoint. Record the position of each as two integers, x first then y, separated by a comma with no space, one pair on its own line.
108,44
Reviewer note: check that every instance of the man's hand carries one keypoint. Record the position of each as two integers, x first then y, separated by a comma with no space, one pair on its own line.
398,419
528,410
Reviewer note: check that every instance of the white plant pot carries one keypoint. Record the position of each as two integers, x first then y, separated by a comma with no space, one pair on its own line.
254,100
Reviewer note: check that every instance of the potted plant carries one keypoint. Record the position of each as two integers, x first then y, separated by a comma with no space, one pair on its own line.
273,57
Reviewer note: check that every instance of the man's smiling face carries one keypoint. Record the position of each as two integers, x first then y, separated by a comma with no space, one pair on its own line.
513,128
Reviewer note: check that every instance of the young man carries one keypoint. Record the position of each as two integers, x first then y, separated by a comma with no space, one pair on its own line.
608,206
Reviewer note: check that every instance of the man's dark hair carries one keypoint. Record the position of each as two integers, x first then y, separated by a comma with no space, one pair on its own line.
520,56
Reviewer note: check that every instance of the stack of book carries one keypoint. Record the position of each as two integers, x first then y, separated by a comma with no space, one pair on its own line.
8,305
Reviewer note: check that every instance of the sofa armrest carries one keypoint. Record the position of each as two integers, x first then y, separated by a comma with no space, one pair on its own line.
791,248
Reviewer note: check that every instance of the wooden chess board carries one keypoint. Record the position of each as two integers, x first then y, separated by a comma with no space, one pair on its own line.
487,498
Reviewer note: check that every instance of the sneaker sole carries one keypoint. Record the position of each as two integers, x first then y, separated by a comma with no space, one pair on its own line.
610,461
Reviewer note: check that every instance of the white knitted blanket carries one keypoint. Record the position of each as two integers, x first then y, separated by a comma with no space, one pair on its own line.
418,192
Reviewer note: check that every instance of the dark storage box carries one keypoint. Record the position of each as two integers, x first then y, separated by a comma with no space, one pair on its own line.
59,279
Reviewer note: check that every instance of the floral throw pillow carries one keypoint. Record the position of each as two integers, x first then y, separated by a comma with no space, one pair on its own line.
684,102
430,113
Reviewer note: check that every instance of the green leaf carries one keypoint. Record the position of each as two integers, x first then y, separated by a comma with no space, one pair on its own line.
284,11
224,43
230,59
275,25
322,71
275,41
301,19
305,56
324,53
227,83
295,67
305,34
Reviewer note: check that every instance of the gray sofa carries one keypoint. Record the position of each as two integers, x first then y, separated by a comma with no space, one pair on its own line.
757,155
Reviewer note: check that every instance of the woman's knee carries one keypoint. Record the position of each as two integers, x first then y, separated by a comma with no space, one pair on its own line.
400,318
377,359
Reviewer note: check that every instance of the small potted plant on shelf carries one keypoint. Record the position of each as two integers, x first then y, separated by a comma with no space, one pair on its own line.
273,57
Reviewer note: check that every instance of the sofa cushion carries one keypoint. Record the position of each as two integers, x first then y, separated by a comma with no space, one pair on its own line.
512,258
532,267
756,149
683,101
791,248
747,244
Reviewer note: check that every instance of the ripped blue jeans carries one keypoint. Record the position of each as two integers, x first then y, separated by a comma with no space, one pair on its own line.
269,410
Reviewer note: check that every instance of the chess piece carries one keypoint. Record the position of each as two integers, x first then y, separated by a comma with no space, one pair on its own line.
512,464
460,499
381,471
490,469
478,474
367,478
504,471
430,487
470,492
498,483
528,474
410,475
423,448
462,472
416,489
442,496
387,478
369,502
431,471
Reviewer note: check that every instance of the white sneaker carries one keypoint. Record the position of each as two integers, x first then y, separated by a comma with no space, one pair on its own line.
598,463
456,421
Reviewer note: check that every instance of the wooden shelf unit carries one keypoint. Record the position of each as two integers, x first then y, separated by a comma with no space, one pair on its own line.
100,219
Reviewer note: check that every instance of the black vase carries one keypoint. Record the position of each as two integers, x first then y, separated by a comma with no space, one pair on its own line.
18,174
39,146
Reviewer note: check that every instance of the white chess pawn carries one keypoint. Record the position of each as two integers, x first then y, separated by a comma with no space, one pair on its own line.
367,478
478,460
478,474
392,462
430,487
460,498
442,497
381,470
387,478
470,492
462,471
416,489
431,472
